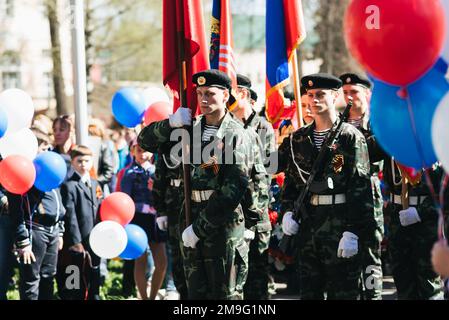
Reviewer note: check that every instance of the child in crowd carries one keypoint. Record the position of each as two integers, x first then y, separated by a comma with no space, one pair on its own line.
137,182
37,218
81,197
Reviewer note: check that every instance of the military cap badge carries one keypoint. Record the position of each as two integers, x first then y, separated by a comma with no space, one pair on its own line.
201,80
310,83
348,80
338,162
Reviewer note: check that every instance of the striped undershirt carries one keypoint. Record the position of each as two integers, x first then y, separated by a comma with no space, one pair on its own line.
208,132
356,122
319,136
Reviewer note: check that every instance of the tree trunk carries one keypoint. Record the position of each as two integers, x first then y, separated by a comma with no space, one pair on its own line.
331,47
58,78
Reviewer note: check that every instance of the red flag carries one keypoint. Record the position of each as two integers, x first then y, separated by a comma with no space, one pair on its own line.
196,55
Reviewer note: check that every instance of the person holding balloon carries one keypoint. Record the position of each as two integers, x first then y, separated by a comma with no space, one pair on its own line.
63,133
38,221
81,197
6,245
137,182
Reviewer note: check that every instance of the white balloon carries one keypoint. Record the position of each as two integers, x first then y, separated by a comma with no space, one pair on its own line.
440,132
19,108
108,239
153,94
445,52
22,142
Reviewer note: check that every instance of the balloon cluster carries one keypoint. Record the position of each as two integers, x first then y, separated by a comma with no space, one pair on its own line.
21,167
130,106
114,236
404,47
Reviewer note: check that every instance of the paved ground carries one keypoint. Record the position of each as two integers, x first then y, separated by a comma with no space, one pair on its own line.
389,291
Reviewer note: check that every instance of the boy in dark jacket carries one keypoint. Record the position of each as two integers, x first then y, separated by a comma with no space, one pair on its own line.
81,197
38,222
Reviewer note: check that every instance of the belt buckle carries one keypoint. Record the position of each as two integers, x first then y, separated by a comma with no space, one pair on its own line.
195,196
314,200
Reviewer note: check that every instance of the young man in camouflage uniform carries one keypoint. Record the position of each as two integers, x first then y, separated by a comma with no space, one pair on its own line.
256,200
337,207
412,233
358,88
168,195
215,253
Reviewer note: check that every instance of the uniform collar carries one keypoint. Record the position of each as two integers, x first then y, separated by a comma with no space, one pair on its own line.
201,120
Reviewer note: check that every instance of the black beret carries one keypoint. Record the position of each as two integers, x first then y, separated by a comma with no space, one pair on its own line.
352,78
243,81
253,94
212,78
320,81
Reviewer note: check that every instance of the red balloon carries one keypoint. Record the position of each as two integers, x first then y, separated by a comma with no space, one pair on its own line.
396,41
157,111
118,207
17,174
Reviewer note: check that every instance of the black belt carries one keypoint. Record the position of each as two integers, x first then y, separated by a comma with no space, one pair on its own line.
38,226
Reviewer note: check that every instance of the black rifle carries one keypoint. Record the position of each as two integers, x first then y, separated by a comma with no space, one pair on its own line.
287,245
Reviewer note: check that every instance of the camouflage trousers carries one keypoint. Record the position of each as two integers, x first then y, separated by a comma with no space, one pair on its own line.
256,286
218,267
370,256
321,273
177,261
410,249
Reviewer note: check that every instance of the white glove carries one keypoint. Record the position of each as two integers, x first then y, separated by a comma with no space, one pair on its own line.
409,216
189,237
289,226
348,245
248,235
162,223
182,117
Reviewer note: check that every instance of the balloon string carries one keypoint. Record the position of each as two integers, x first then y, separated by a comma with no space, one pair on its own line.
438,200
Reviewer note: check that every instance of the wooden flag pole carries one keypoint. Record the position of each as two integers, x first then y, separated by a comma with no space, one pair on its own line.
297,89
182,67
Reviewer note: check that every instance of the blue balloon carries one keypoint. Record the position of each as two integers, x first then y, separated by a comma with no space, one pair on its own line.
137,242
391,121
51,171
3,122
128,107
441,65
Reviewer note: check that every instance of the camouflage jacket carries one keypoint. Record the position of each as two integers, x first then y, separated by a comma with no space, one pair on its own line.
345,169
168,197
376,156
376,153
266,133
256,200
228,179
